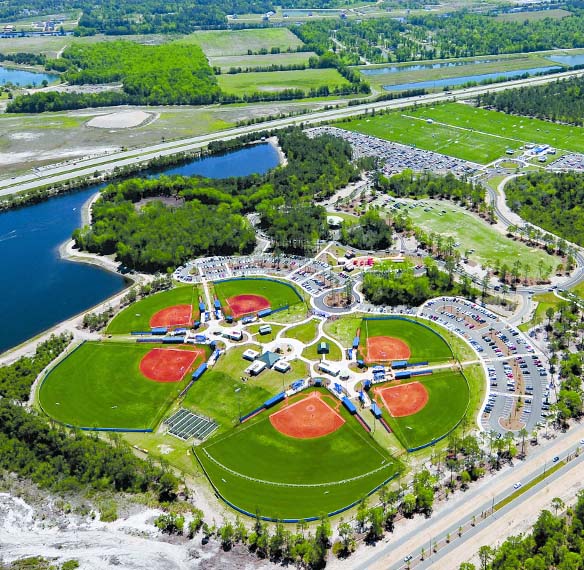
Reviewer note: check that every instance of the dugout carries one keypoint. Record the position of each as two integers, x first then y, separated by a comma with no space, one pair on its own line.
356,342
159,330
264,313
375,410
403,375
399,364
217,304
202,307
274,400
351,408
199,371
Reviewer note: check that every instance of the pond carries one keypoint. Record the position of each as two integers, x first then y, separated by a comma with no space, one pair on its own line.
24,76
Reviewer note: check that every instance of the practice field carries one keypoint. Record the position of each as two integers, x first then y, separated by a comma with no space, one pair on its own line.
100,385
235,294
404,399
239,42
422,343
516,130
448,397
140,316
309,417
179,315
257,468
444,139
270,81
168,364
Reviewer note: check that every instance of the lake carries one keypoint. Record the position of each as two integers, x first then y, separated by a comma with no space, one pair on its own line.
24,77
39,289
569,60
453,81
422,66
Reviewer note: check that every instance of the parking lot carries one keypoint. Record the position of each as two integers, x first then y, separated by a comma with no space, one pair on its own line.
395,158
520,390
568,162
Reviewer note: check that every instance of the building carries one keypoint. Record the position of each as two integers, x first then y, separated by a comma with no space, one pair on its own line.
265,329
282,366
328,369
323,348
250,354
269,358
255,368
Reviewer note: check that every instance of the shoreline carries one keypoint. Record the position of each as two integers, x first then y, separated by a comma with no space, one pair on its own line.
275,144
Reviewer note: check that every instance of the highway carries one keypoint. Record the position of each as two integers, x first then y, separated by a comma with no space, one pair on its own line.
81,168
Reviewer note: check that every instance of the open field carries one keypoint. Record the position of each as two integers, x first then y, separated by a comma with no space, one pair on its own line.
544,301
491,246
423,343
483,65
137,316
277,293
243,61
518,130
305,332
239,42
448,400
247,83
214,394
259,451
311,352
534,16
100,385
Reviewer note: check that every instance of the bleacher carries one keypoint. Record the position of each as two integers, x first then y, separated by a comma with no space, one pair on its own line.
184,425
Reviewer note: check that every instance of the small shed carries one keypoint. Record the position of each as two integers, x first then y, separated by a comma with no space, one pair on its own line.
282,366
323,348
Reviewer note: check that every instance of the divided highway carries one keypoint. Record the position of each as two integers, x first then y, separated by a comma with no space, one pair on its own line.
106,163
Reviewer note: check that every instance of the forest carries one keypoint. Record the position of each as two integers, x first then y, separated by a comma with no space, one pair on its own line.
553,201
400,285
157,224
370,231
561,101
556,542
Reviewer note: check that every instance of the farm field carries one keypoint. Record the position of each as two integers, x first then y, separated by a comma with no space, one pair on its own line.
239,42
214,394
518,130
478,66
137,316
491,246
100,385
317,465
397,127
306,79
448,400
277,293
243,61
424,344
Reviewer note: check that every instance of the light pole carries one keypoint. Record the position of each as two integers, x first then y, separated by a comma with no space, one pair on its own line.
237,391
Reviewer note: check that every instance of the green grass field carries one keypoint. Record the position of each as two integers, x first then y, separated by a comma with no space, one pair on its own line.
521,17
305,332
491,246
238,42
277,293
424,344
449,398
137,316
249,61
247,83
258,451
214,394
516,130
100,385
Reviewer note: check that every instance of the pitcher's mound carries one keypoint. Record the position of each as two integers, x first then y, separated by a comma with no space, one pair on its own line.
121,120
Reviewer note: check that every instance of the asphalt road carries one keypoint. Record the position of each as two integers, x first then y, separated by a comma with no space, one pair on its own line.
75,169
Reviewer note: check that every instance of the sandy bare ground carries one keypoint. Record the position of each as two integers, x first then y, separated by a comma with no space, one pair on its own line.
121,120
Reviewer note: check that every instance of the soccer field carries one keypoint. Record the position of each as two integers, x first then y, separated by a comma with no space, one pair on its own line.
100,385
137,316
424,344
448,401
258,469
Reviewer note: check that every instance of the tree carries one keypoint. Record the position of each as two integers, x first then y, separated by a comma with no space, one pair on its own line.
557,505
485,556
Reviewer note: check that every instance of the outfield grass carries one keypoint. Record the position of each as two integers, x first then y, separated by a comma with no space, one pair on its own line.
258,451
250,61
305,333
277,293
516,130
448,401
238,42
491,246
248,83
100,385
311,352
214,394
137,316
423,343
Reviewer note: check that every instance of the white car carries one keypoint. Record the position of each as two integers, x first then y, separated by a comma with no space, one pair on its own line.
518,485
